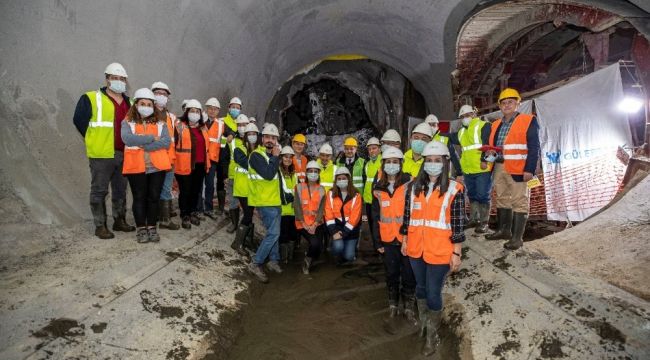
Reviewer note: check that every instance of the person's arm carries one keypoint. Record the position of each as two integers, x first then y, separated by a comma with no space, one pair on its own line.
355,216
453,138
241,159
82,114
162,143
458,218
532,139
485,137
374,215
320,214
266,170
131,139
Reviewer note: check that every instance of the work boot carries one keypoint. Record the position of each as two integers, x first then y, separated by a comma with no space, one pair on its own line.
274,266
290,251
409,310
164,213
518,228
422,314
431,340
248,239
199,215
473,215
211,214
503,232
142,236
99,218
234,220
187,223
194,219
484,217
258,272
119,215
102,232
153,234
284,256
221,201
306,265
238,243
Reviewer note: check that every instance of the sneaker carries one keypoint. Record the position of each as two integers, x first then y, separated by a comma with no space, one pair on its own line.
186,224
194,219
142,236
274,266
211,214
257,271
153,234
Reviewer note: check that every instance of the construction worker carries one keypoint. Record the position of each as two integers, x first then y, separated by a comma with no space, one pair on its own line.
433,121
242,149
146,161
473,134
233,129
433,235
162,93
192,161
216,131
238,141
288,180
328,168
298,144
309,208
264,194
252,120
98,117
420,136
343,216
350,159
369,172
390,138
518,136
387,214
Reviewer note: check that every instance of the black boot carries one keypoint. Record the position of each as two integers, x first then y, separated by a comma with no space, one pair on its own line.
119,215
250,242
234,220
518,228
431,339
165,221
186,224
221,201
483,219
473,215
99,219
409,310
291,245
505,224
238,242
284,253
391,323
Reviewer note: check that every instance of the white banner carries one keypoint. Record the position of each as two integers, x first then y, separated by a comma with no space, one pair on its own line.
580,132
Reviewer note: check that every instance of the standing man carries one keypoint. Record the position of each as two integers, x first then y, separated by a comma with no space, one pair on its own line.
216,129
353,162
298,144
518,135
420,136
98,117
225,159
391,138
328,168
433,121
264,195
369,171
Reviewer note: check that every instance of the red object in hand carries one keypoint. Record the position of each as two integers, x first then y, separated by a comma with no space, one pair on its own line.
485,148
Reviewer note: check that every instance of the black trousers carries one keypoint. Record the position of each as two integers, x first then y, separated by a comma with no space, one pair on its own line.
189,187
288,231
146,189
398,267
315,241
221,176
247,216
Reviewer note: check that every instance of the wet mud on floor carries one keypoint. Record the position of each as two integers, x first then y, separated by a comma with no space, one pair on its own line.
333,313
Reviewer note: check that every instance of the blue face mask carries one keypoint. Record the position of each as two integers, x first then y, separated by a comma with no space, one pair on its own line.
418,146
433,169
392,169
234,112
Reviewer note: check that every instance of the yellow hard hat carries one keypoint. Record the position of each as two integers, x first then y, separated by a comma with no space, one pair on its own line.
350,142
508,93
300,138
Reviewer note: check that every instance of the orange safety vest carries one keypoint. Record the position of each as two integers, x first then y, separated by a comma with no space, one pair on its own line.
171,122
429,230
134,156
309,202
183,164
515,147
391,213
214,135
300,169
350,214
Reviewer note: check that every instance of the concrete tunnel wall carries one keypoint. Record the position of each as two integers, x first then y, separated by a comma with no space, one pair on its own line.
53,51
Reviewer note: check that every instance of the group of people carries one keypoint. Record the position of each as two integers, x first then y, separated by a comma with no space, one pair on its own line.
414,201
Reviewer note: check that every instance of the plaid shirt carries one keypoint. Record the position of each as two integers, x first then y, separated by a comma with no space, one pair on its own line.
504,129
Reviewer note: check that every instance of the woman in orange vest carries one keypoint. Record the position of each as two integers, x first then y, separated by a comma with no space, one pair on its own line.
433,234
309,208
192,161
146,161
387,214
343,216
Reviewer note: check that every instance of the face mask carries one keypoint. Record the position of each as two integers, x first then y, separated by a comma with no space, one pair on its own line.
240,130
194,117
118,86
433,169
466,121
234,112
313,177
373,157
161,100
391,169
418,146
342,184
490,158
252,139
145,111
384,148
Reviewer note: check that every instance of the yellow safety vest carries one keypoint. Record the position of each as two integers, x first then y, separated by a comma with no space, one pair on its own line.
262,192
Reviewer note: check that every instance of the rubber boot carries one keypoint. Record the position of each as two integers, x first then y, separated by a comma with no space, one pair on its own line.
250,240
518,228
165,222
483,219
186,223
431,340
234,220
409,310
306,265
422,314
391,324
119,215
238,242
473,215
221,201
290,251
99,219
504,217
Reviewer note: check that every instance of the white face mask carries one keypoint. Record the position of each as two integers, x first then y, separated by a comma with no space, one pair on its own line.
342,184
433,169
240,130
145,111
313,177
391,169
118,86
161,100
252,139
466,121
194,117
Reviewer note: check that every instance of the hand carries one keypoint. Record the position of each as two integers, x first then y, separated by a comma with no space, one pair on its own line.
528,176
404,246
229,138
337,236
455,262
380,250
483,165
276,150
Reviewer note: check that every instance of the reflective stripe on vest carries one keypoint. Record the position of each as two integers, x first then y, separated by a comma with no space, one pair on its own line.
345,218
442,223
100,116
515,148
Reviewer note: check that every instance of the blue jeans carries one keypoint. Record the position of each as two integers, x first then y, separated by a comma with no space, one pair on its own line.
479,187
269,247
345,248
429,281
209,187
166,193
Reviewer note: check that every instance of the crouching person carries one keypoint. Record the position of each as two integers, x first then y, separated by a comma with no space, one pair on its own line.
309,207
343,216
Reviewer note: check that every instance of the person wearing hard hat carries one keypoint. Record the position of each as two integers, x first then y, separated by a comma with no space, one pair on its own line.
98,117
298,144
192,161
264,194
433,236
351,160
184,104
243,147
517,135
239,141
146,161
473,134
232,129
370,170
309,209
433,121
413,160
328,168
216,135
161,93
343,216
288,181
390,138
252,120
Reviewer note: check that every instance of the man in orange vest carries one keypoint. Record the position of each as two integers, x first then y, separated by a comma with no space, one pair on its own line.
518,137
298,144
216,130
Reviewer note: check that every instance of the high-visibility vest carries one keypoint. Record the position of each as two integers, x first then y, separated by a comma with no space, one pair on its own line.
288,184
391,213
371,169
327,174
439,138
429,228
100,137
348,213
515,146
471,143
134,156
300,169
262,192
240,176
183,164
411,166
232,165
310,199
215,133
171,122
357,172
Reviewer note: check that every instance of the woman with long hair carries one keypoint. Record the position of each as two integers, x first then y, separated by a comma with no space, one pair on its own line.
242,148
343,216
309,208
288,180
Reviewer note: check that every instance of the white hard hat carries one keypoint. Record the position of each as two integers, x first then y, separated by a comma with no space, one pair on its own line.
391,135
392,153
235,100
423,128
241,119
342,170
313,165
287,150
270,129
252,119
193,103
325,149
466,109
160,85
115,69
431,119
435,148
373,141
213,102
144,93
251,128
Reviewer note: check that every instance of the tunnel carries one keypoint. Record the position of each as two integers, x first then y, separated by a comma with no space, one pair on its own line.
326,68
